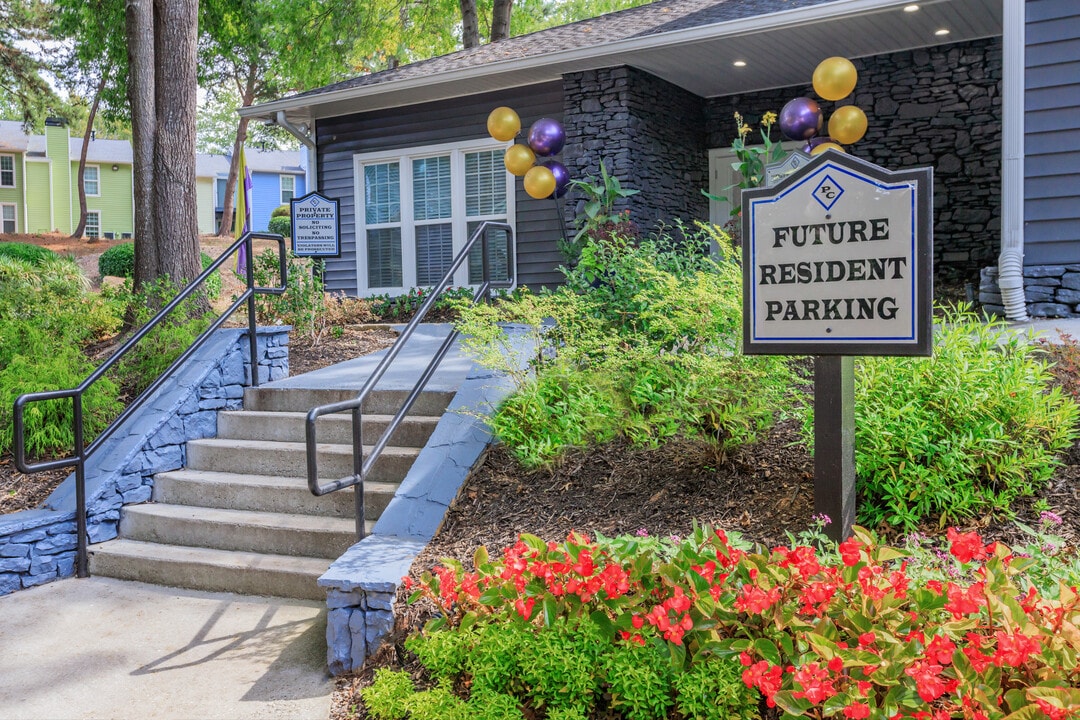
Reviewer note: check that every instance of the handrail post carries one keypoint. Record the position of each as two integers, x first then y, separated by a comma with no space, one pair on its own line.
358,472
253,341
81,559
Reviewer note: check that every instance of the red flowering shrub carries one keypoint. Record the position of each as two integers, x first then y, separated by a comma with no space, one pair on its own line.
818,636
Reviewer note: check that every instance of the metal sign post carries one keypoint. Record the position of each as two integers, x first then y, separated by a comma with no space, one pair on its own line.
837,261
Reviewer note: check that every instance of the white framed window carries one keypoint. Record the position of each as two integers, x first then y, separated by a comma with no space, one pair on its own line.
93,224
92,180
219,192
416,208
7,171
288,188
9,220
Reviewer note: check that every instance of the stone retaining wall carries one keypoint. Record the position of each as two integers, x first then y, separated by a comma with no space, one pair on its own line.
37,546
1049,291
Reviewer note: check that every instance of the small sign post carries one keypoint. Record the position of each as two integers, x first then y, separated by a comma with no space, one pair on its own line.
316,225
837,261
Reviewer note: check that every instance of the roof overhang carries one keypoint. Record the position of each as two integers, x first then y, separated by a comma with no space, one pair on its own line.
779,49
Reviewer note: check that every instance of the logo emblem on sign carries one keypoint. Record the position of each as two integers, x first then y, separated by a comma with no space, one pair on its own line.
828,192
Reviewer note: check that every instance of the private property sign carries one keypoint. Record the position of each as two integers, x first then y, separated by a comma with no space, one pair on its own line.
315,226
837,261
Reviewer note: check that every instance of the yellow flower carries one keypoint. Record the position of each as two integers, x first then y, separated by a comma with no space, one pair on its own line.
744,129
768,118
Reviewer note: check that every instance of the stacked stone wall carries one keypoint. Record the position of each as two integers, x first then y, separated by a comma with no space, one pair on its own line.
649,134
938,107
1049,291
37,546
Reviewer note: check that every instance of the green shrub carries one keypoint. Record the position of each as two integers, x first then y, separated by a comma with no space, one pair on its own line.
639,678
212,283
388,696
713,690
51,298
281,211
280,226
118,261
958,435
49,424
303,303
33,254
644,344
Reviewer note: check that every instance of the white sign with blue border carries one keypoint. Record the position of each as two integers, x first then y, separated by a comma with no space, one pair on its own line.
837,261
316,226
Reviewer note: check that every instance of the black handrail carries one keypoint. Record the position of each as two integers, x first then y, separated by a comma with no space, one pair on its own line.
83,452
362,466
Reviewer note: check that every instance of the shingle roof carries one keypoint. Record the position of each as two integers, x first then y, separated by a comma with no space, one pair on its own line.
101,151
12,137
652,19
278,161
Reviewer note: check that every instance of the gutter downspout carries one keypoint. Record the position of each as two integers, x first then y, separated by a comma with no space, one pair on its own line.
1011,259
308,138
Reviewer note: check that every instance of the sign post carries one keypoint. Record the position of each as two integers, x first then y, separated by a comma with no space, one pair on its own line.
837,262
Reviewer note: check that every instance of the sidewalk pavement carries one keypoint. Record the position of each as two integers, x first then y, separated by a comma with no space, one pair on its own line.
101,648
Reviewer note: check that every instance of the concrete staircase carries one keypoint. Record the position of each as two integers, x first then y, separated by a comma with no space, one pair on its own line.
240,518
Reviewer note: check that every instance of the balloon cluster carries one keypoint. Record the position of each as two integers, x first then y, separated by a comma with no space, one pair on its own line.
546,137
801,118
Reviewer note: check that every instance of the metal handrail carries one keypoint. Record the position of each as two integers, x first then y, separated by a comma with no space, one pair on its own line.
361,465
83,452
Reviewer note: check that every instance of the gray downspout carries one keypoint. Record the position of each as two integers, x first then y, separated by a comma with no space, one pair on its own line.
1011,259
308,138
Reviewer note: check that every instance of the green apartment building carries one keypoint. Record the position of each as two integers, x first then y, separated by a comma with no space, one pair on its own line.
39,182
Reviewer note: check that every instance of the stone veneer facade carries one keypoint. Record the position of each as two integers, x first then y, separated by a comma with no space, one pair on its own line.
1049,291
937,106
650,135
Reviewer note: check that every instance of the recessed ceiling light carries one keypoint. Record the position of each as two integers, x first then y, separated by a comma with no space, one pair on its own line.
911,8
942,31
739,63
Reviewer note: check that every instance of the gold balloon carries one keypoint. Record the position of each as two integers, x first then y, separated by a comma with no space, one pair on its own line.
847,125
835,78
518,159
503,124
818,149
539,182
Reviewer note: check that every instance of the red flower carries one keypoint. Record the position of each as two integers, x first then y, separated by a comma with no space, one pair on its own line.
755,601
940,650
963,602
857,711
929,682
767,679
815,683
1014,649
524,607
850,551
966,547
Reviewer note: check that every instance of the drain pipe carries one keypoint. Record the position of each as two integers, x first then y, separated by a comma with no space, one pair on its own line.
306,135
1011,259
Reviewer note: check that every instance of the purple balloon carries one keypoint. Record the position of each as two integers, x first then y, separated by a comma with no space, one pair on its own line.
801,118
562,176
814,142
546,137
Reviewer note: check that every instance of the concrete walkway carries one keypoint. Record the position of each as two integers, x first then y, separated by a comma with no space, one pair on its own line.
102,648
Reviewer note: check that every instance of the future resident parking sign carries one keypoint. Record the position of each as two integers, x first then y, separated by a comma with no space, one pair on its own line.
837,261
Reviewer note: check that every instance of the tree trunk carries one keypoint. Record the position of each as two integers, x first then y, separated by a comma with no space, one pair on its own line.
81,227
139,15
176,225
470,24
246,98
500,19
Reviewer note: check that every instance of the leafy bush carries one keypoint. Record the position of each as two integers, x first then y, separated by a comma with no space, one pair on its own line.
280,226
33,254
212,283
302,303
960,434
850,632
599,220
118,261
281,211
644,344
402,308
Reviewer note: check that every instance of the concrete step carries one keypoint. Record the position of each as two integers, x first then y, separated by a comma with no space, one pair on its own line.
337,429
380,402
286,459
265,493
207,569
240,530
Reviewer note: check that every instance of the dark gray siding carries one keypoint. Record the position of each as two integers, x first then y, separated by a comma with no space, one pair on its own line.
446,121
1052,133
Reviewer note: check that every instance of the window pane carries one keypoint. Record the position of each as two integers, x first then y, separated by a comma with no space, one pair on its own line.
431,188
485,183
220,199
288,187
497,255
434,252
384,258
93,225
382,194
7,216
7,171
90,180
